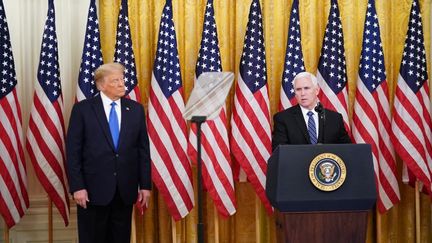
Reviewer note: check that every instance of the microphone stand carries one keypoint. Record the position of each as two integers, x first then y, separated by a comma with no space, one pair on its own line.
199,120
321,111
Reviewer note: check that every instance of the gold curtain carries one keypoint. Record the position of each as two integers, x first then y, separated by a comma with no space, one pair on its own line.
251,223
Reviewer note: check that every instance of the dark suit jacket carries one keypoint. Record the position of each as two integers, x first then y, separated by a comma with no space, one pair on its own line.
290,128
92,162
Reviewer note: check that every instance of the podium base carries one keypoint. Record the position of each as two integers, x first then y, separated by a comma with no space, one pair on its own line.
322,227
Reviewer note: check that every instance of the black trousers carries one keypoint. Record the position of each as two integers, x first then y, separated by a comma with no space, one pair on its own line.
105,224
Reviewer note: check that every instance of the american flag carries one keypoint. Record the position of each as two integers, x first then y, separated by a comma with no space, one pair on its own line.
332,77
250,121
171,169
45,135
371,117
411,123
91,56
294,63
14,199
124,53
216,157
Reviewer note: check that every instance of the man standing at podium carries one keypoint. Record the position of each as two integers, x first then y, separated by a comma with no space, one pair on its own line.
308,122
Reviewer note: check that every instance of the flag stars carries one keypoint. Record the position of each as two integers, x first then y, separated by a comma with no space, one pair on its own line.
167,69
253,56
332,61
124,52
412,67
7,75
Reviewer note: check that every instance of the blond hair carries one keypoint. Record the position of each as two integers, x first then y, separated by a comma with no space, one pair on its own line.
106,69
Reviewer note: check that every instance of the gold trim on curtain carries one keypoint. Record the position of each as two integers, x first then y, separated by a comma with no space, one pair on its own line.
251,223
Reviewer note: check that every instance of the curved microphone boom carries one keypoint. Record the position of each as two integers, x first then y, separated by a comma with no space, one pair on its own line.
319,108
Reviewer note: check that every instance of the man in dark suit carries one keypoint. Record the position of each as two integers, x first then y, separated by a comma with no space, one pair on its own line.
293,125
108,159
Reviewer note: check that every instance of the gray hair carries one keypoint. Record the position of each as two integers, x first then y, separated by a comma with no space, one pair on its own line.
304,75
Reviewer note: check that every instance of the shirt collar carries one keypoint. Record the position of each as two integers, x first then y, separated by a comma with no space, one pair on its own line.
305,111
107,101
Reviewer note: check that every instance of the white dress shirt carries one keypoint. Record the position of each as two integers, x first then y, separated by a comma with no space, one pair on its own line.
107,107
315,117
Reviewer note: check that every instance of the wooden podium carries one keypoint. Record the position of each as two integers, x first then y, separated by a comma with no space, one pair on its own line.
305,213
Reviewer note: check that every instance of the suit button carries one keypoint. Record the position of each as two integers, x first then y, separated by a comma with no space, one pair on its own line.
115,173
117,155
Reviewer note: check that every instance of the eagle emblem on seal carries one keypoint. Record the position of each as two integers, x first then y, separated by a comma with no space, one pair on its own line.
328,171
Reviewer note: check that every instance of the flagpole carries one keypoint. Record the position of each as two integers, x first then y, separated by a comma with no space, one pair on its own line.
199,120
133,223
216,223
6,234
378,225
50,221
417,211
173,230
258,233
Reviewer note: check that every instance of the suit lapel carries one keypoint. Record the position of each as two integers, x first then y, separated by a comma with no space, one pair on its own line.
320,128
102,119
125,113
301,123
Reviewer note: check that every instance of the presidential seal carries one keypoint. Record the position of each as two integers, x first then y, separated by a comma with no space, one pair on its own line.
327,172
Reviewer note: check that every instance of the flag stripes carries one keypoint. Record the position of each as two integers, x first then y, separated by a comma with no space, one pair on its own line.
14,199
171,169
45,146
412,141
251,129
217,173
337,102
411,116
371,117
216,157
167,133
45,134
331,75
370,125
294,63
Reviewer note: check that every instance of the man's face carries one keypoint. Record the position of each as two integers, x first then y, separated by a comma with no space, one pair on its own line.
113,85
306,93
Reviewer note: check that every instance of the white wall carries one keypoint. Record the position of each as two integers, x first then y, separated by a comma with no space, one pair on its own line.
26,19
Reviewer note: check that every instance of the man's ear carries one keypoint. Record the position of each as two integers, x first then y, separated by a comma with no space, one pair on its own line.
99,85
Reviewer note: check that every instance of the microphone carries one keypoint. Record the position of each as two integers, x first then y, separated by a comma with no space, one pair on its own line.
319,108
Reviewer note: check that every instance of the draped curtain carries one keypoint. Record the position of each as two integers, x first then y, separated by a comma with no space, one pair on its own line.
250,223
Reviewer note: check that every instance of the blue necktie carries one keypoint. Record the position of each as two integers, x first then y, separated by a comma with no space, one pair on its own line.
114,125
312,128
